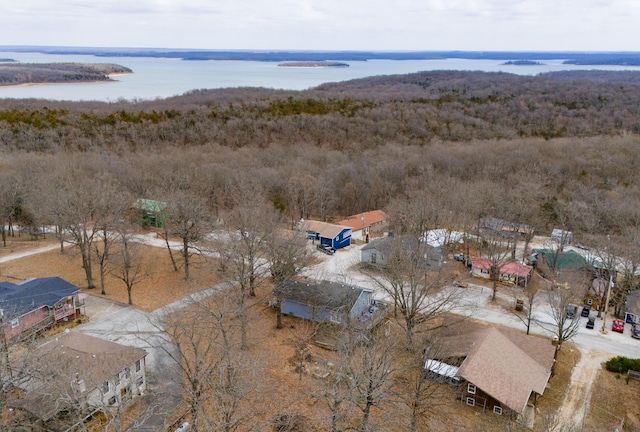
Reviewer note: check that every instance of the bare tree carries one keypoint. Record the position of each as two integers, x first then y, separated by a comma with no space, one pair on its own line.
287,256
526,315
564,326
216,376
111,209
418,392
496,248
413,282
128,266
187,217
249,231
371,366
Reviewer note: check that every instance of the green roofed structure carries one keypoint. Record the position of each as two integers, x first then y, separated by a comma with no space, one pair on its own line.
147,212
560,261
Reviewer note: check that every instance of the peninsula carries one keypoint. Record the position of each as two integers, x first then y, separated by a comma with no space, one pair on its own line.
50,73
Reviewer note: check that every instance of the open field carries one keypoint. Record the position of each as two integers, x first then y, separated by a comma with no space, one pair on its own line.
161,284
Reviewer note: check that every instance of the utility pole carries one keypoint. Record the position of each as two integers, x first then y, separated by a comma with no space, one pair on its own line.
606,303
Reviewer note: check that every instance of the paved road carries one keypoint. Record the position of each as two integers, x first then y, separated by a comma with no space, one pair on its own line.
128,326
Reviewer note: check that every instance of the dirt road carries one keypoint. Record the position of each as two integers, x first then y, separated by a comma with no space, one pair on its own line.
577,398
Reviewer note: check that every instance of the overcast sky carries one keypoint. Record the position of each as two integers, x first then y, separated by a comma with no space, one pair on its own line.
477,25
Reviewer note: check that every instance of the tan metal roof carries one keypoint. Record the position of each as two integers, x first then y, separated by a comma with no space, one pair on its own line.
324,229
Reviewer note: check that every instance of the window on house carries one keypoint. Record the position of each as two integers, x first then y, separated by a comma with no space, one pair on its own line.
105,387
505,276
484,271
140,381
471,388
497,410
138,365
15,323
374,258
590,302
117,379
127,372
471,401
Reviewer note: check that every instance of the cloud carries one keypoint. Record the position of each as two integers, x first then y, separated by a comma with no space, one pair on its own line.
326,24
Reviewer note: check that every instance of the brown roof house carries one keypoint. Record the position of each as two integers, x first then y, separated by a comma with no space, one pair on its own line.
364,225
75,376
500,370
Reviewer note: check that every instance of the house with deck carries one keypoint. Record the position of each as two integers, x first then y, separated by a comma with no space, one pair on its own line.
35,305
496,369
322,301
73,377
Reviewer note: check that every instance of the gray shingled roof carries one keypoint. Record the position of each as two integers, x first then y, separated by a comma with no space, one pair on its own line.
323,294
18,299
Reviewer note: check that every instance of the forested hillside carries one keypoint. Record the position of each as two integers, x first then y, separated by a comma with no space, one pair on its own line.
474,143
14,73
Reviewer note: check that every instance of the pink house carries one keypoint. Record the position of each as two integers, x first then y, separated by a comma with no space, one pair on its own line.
509,271
36,304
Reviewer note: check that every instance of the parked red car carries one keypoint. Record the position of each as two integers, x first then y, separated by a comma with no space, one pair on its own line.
617,326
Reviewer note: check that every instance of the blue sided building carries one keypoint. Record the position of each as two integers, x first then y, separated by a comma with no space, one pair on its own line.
334,236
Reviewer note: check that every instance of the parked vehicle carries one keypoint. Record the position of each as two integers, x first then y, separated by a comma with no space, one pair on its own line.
591,322
635,331
326,249
617,326
184,427
571,310
586,310
458,257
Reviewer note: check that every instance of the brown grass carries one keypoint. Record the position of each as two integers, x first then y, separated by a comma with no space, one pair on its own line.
612,400
161,284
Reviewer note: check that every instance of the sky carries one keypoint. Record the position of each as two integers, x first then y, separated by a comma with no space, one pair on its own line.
400,25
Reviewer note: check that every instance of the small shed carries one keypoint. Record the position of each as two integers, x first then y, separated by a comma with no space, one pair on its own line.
148,212
325,301
561,236
332,235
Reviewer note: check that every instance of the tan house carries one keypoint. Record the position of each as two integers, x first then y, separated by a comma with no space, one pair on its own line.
500,370
75,376
366,225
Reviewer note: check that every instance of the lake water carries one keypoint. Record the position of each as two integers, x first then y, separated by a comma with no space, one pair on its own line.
160,78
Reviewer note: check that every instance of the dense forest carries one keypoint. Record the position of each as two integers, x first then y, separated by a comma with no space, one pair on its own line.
464,138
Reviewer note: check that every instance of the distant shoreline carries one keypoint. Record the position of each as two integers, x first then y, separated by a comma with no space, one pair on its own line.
571,57
17,74
30,84
313,64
